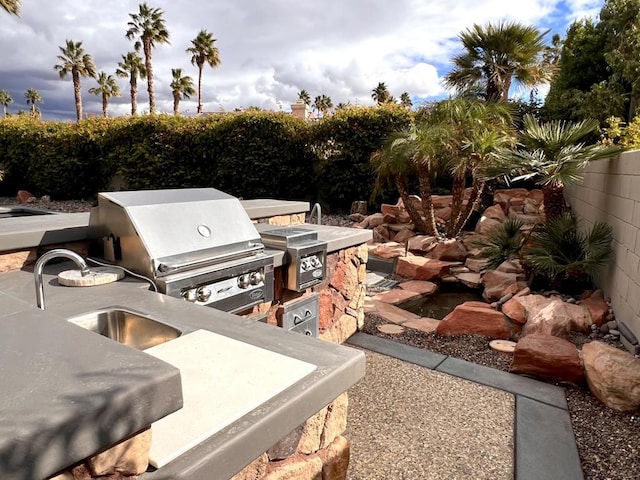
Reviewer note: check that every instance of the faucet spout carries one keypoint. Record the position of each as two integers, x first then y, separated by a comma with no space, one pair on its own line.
57,253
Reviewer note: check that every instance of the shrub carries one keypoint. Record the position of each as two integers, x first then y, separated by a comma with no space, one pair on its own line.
502,243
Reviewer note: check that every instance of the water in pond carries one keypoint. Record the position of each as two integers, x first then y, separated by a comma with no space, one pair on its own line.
438,305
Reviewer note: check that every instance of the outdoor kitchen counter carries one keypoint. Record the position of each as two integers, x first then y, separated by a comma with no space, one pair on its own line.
26,232
67,392
236,445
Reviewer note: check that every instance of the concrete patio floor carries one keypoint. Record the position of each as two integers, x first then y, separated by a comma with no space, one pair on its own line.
421,415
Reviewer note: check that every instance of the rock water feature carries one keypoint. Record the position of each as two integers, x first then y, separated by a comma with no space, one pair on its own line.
542,324
441,303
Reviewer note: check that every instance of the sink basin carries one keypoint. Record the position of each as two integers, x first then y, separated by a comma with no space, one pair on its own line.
127,327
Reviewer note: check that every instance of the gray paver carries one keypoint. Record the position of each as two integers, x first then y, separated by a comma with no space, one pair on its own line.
540,391
418,356
545,445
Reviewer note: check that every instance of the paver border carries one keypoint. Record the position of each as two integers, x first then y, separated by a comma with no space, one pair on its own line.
544,443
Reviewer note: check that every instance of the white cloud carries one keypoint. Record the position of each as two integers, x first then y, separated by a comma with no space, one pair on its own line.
270,49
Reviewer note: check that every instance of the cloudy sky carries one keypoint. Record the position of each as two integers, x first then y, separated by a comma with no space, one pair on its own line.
270,49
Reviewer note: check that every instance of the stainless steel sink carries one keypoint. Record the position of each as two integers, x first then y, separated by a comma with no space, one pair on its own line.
127,327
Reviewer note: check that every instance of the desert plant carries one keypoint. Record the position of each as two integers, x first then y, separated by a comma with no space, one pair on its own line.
502,243
566,257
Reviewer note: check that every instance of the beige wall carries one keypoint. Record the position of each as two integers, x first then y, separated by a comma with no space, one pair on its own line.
610,193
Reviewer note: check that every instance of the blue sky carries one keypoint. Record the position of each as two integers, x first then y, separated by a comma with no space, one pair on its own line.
270,49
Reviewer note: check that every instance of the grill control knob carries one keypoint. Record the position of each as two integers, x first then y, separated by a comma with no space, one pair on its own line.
190,295
256,278
204,294
244,281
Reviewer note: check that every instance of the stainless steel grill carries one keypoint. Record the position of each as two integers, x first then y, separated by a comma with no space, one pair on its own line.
198,244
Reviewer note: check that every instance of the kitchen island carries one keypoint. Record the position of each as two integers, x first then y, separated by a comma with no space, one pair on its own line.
227,450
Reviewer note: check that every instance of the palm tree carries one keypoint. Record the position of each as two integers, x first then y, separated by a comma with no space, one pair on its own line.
381,94
495,55
132,66
405,100
203,51
5,99
80,64
552,154
181,87
149,27
305,97
107,87
322,104
11,6
32,96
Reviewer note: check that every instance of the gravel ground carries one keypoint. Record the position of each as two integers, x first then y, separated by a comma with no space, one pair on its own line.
608,441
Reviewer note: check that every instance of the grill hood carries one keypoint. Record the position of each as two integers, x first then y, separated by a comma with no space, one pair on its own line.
157,232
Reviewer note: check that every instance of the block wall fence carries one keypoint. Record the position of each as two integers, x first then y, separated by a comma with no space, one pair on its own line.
610,193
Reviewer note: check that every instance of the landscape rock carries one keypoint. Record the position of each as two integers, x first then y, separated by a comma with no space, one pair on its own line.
443,213
395,296
424,324
421,242
471,279
387,209
475,264
494,212
515,311
552,319
357,217
548,358
485,225
388,250
374,220
381,234
421,287
390,329
441,201
597,306
510,266
475,318
496,282
613,376
24,196
420,268
580,317
449,251
403,235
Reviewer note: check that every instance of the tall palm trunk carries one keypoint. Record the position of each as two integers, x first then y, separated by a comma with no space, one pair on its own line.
105,105
414,214
77,93
134,95
149,67
176,103
424,180
457,192
553,200
200,88
472,204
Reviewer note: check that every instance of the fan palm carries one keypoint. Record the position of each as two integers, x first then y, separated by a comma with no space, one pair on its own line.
567,257
551,154
203,51
11,6
495,55
405,100
381,94
78,63
305,97
133,67
149,27
181,87
107,87
32,96
5,99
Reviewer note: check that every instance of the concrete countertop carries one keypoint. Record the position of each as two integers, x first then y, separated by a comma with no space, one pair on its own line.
19,233
266,207
229,450
67,393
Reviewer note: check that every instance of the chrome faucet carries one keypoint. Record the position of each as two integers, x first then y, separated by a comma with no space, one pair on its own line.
57,253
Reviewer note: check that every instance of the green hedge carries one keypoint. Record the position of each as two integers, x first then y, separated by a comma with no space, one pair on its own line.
249,154
345,142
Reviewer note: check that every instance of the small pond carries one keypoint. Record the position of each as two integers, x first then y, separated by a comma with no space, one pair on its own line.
438,305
